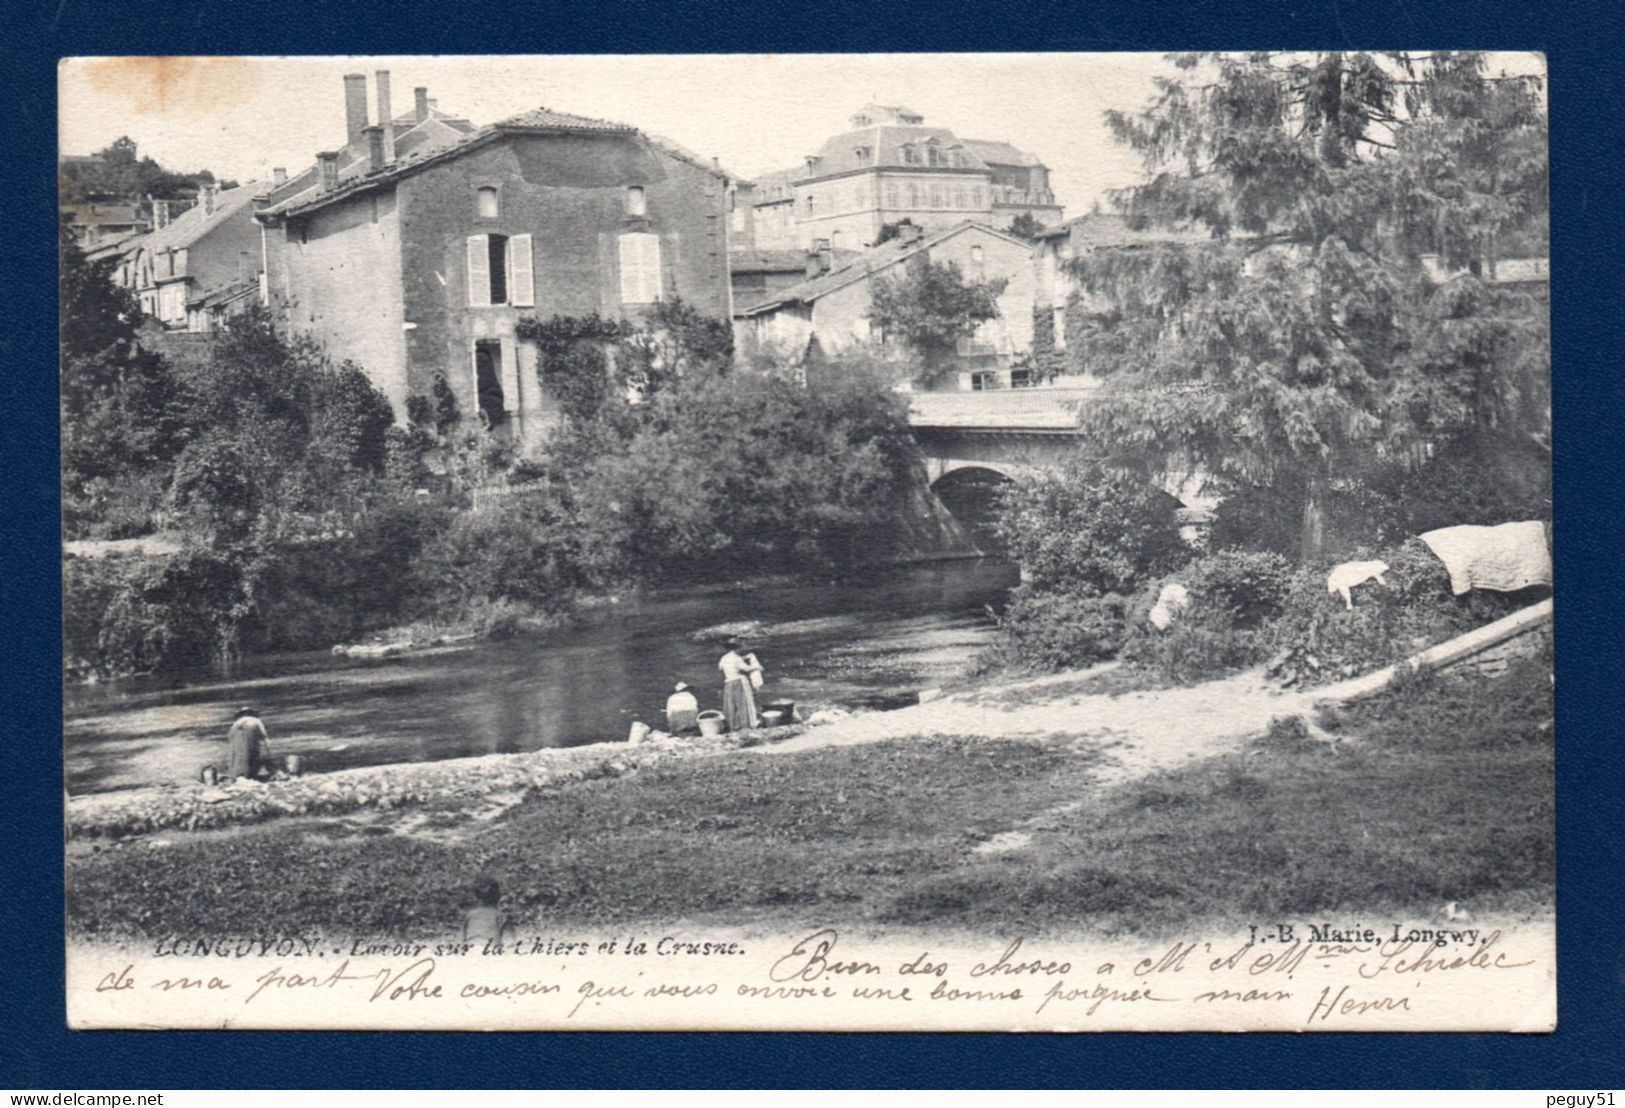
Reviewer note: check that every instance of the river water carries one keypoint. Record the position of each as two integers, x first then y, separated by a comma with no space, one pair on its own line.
869,643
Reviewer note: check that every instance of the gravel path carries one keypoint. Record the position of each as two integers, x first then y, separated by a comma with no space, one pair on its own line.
1140,732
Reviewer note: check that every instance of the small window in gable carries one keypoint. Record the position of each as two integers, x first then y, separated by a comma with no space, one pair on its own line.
636,203
485,202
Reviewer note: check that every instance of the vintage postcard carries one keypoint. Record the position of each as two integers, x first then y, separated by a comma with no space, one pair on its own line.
839,542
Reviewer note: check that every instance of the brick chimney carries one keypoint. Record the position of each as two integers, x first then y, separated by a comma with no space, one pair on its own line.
279,177
328,161
375,147
420,104
386,118
208,199
355,106
160,214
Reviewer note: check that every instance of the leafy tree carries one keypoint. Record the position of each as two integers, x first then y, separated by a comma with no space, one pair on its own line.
718,474
932,306
1025,226
1081,531
1307,341
118,172
122,408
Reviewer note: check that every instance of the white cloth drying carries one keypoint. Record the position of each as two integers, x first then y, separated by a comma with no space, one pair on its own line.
1505,558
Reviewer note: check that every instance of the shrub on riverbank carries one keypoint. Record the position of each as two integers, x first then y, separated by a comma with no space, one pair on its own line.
1235,597
1087,532
1318,639
1042,632
1086,540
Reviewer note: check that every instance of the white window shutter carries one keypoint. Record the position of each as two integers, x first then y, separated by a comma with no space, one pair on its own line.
521,282
479,271
652,276
631,259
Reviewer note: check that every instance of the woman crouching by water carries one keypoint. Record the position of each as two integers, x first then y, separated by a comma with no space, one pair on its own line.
738,699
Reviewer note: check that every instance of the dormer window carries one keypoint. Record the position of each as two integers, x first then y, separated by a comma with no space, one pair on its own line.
485,202
637,204
862,154
911,156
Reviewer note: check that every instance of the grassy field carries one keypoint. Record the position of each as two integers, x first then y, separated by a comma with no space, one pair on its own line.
1441,791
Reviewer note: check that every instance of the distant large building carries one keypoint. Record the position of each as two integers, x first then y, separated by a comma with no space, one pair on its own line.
888,168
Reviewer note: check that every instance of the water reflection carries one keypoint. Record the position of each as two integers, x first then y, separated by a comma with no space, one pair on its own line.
867,643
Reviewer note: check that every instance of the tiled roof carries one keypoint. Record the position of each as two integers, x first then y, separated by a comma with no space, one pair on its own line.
549,120
1101,230
779,261
868,263
994,152
436,138
194,223
236,290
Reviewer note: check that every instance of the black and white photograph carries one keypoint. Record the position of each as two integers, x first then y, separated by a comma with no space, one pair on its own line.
1042,542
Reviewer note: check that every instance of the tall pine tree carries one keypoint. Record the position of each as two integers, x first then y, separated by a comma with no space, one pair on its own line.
1342,317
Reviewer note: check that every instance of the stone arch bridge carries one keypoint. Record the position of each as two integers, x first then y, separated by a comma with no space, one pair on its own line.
997,435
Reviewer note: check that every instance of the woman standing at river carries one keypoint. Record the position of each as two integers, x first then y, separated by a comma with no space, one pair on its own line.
738,700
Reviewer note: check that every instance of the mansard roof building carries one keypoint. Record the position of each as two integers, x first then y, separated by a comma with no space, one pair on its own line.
891,166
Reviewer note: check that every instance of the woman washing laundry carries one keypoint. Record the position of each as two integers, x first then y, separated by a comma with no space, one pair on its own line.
740,673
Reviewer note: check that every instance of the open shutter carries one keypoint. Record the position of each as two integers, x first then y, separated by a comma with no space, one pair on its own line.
631,259
479,271
521,283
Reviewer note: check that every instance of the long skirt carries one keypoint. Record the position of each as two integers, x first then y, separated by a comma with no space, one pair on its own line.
739,704
244,755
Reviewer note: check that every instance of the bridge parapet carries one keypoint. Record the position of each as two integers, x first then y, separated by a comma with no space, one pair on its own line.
1035,409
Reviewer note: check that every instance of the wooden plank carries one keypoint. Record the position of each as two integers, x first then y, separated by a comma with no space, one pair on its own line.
1447,653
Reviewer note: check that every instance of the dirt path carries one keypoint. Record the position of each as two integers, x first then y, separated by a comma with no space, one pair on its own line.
1139,732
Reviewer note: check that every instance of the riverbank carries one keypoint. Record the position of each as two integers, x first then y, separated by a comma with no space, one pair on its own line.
1437,792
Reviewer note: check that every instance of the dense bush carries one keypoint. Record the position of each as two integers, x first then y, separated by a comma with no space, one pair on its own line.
725,474
1318,639
521,551
1234,598
1084,531
1045,631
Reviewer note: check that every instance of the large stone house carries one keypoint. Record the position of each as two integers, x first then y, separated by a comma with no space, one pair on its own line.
890,166
417,247
832,308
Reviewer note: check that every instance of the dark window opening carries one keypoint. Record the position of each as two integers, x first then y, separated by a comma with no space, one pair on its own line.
985,381
499,269
1023,379
488,383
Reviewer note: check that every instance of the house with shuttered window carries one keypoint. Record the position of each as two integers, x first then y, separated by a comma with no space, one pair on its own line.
417,247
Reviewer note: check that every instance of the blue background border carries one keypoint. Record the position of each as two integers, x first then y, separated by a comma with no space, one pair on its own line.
1583,43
